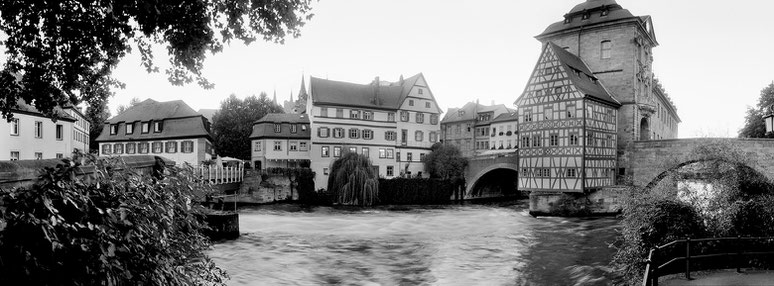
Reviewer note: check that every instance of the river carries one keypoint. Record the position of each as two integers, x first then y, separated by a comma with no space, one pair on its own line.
473,244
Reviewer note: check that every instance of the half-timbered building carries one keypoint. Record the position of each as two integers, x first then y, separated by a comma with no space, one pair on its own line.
567,126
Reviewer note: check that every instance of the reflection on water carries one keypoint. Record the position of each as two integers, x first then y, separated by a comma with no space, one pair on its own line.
449,245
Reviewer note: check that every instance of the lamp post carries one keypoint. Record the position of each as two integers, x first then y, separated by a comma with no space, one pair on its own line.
769,119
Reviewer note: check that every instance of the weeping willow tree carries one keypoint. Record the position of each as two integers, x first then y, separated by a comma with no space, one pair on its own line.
353,180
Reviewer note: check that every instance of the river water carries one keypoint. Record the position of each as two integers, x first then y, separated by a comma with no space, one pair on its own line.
484,244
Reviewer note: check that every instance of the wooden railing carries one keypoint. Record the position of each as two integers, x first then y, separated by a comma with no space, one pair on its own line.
221,175
705,254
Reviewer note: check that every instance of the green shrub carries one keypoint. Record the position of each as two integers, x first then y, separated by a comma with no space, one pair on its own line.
114,228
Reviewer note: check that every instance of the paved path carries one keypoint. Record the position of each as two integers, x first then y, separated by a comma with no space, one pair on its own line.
727,277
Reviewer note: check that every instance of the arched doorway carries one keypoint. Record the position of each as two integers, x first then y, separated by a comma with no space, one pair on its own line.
644,129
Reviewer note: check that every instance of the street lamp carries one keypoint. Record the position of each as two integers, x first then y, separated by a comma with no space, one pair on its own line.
769,119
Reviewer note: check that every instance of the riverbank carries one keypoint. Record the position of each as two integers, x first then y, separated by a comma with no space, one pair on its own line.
726,277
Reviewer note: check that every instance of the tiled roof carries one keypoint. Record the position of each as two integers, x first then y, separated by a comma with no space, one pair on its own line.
470,111
150,109
506,117
23,107
583,80
264,128
389,95
179,121
594,8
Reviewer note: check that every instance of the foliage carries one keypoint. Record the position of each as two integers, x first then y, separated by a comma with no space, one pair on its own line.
735,200
116,227
233,123
121,108
61,52
445,161
97,113
754,127
353,180
414,191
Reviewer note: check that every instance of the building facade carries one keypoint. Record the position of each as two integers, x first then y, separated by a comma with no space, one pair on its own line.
80,130
468,127
617,47
392,123
32,135
168,129
505,132
281,141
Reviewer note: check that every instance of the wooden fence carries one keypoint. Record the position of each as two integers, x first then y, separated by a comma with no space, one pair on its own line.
706,254
221,175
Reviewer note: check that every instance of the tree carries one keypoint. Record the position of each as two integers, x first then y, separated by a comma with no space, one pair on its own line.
233,123
445,161
121,108
754,127
64,52
117,227
96,113
353,180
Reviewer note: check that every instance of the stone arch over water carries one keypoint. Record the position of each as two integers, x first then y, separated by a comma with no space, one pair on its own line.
503,174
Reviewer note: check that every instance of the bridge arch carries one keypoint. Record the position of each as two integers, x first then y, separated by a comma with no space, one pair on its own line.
475,180
742,167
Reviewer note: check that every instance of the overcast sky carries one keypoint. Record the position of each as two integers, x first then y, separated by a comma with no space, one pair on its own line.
714,57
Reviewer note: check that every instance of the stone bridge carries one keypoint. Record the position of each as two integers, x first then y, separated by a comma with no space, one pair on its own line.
650,160
479,167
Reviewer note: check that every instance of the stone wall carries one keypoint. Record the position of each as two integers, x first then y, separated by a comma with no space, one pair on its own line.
607,201
258,188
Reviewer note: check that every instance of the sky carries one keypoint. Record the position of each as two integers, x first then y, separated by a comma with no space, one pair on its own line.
713,60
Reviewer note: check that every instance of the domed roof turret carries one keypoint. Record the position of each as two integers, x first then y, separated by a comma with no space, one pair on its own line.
591,4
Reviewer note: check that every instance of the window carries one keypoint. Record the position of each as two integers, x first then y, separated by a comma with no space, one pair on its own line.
368,115
419,136
293,146
421,156
145,127
411,102
336,151
536,142
389,135
14,155
574,139
433,137
404,116
38,155
419,91
325,171
403,136
257,146
15,128
322,132
409,156
605,48
277,145
434,119
390,153
324,111
59,155
303,127
339,113
303,146
391,117
368,134
354,133
157,147
106,149
171,146
571,173
397,156
457,129
187,146
118,148
277,128
325,151
354,114
338,132
382,153
113,129
59,132
293,128
390,171
130,128
142,148
527,117
586,16
353,150
554,140
420,117
157,126
131,148
365,152
38,129
525,141
427,104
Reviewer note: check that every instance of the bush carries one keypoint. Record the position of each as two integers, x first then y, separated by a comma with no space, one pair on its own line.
353,180
115,228
402,191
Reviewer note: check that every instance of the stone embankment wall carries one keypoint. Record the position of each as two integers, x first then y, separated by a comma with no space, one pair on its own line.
258,188
607,201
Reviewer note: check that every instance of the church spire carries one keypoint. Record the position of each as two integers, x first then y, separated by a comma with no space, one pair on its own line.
275,97
302,93
291,96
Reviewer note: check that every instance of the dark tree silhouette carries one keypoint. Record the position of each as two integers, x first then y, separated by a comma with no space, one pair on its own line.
233,123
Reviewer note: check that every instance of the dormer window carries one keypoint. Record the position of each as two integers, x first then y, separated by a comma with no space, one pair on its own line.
157,126
293,128
277,128
113,129
130,128
586,16
567,20
605,12
461,112
145,127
